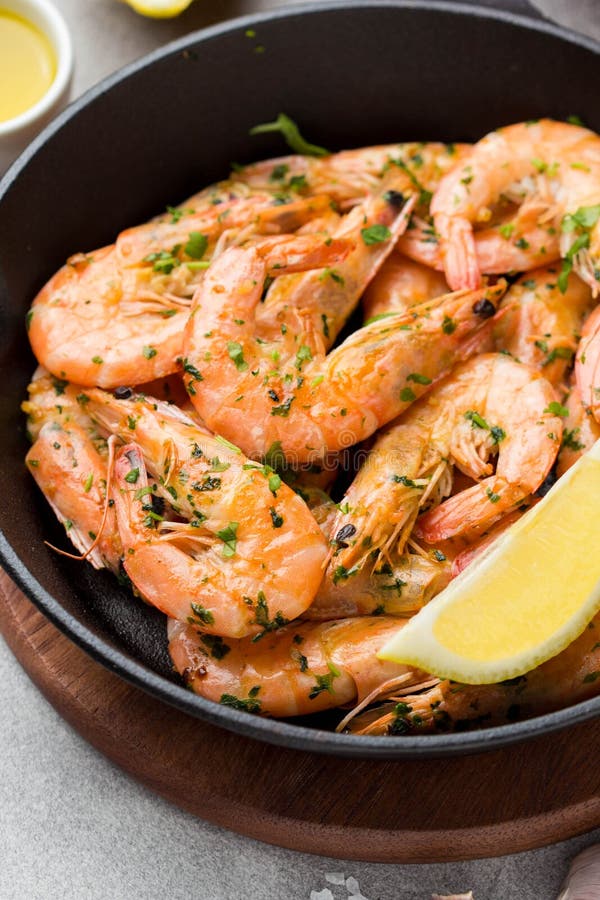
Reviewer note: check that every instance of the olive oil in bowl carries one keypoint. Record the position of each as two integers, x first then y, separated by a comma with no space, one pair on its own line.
27,65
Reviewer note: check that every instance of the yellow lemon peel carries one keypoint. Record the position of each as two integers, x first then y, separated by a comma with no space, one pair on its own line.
524,600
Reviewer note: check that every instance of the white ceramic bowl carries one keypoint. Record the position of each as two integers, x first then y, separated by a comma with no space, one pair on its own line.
16,133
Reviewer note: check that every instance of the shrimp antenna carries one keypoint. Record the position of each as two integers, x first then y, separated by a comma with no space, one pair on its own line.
109,473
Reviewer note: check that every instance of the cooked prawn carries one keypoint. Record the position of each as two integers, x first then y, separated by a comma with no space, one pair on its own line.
541,324
116,316
581,431
587,365
399,285
397,586
318,303
350,175
302,668
244,533
256,214
568,678
464,421
69,462
545,161
517,243
285,394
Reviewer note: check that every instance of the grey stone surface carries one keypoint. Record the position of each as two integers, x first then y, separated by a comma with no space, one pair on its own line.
72,826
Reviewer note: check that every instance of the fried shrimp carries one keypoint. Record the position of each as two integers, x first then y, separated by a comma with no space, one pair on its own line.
350,175
287,487
478,424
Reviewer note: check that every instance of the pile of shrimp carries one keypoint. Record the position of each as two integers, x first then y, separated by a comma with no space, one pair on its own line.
288,411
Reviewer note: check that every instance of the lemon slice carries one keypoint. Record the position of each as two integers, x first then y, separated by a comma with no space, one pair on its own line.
159,9
524,600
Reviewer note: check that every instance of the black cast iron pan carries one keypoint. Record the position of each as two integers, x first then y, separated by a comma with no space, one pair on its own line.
352,74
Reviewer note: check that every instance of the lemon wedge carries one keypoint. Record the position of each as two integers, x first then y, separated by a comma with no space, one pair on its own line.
159,9
524,600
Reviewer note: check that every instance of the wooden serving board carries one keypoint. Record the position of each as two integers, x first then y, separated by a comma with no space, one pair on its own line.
427,811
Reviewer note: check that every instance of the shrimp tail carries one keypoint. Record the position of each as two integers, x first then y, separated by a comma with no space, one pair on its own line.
459,253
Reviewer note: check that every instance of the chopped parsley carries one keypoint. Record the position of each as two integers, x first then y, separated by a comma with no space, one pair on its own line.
236,353
201,614
303,355
407,482
580,222
216,645
557,409
196,245
448,325
229,537
325,682
476,420
262,617
284,409
569,439
407,395
250,705
375,234
341,573
191,370
418,379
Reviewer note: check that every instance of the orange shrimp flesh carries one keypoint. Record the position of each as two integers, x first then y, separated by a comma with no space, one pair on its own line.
544,161
282,394
71,471
587,365
465,421
399,285
350,175
568,678
319,302
542,324
116,316
303,668
243,533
